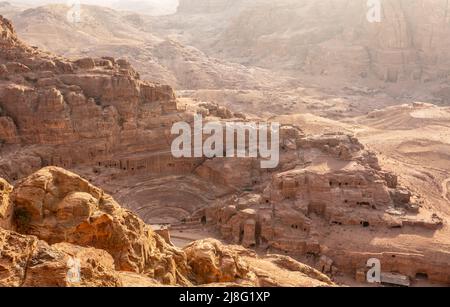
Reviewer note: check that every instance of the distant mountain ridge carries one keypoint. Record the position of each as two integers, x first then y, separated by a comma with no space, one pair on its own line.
104,31
325,38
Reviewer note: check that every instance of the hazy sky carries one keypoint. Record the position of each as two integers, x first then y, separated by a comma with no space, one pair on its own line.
163,5
98,2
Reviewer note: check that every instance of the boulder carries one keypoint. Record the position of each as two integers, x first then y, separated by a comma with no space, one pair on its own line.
212,262
26,261
58,206
6,207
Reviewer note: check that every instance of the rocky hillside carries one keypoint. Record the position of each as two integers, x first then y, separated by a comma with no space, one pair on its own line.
128,35
54,218
328,201
324,38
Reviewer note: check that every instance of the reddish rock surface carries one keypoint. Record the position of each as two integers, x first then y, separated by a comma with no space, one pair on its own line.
329,199
63,219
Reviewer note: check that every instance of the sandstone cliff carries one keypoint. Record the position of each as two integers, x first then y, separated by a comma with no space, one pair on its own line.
329,199
327,38
125,34
76,111
65,220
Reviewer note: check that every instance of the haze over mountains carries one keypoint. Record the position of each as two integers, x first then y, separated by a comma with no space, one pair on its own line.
326,44
124,34
150,7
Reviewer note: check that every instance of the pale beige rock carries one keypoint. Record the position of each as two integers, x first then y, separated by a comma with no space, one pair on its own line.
212,262
97,243
27,261
6,206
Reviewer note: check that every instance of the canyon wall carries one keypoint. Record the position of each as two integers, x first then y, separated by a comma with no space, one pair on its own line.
332,38
79,236
328,196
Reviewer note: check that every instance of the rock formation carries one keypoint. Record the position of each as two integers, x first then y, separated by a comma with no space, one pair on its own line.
26,261
156,57
63,220
6,212
71,210
96,105
327,38
211,263
347,189
96,116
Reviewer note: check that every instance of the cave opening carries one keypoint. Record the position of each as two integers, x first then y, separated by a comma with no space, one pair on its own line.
422,276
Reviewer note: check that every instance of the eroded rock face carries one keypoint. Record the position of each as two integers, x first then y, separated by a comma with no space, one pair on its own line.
6,209
327,38
211,262
324,183
96,114
59,106
73,234
58,206
27,261
219,264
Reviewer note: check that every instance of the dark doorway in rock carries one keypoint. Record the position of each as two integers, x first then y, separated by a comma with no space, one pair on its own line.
241,236
422,276
203,220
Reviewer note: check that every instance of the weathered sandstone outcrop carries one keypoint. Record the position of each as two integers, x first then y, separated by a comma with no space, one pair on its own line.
332,39
323,182
67,224
58,206
67,113
157,57
212,263
6,211
27,261
97,117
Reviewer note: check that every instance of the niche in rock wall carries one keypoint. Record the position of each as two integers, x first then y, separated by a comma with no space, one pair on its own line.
421,276
365,224
241,236
258,232
363,204
317,208
391,75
